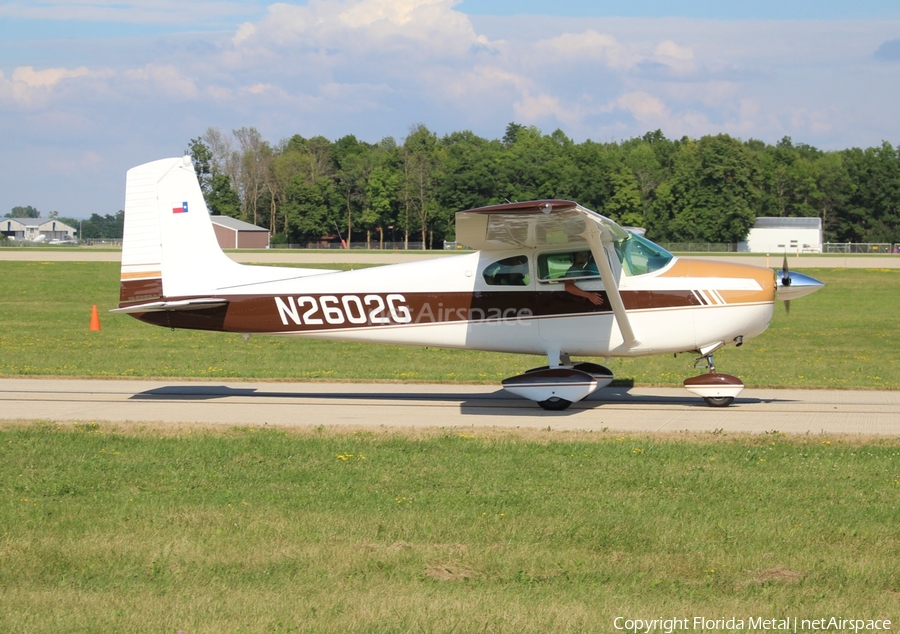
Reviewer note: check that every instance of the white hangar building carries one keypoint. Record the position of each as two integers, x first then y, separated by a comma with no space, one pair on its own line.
784,235
36,229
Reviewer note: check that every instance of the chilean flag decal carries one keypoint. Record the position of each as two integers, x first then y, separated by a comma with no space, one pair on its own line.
179,208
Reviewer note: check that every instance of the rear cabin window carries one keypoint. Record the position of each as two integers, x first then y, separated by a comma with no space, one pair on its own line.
567,265
508,272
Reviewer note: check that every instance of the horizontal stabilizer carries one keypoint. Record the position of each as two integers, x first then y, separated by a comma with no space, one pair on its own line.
174,305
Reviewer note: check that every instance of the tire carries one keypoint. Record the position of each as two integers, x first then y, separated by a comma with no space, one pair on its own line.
719,401
555,404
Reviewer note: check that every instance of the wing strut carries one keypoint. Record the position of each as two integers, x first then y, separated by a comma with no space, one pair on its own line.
599,239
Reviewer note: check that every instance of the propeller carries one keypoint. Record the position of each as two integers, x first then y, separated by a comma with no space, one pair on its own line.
786,281
790,286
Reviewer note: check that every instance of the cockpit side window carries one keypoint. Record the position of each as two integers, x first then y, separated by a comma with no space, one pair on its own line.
640,256
511,271
567,265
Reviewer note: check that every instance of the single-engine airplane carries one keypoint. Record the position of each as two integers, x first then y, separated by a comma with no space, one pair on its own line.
548,277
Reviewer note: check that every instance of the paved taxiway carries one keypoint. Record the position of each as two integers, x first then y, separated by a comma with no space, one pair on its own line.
452,406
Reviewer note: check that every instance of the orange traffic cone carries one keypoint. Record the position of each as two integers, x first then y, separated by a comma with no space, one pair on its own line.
95,318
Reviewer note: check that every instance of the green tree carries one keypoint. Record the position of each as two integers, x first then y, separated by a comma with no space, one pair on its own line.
834,187
469,178
254,162
421,164
625,206
382,190
23,212
871,212
202,158
354,162
222,200
711,196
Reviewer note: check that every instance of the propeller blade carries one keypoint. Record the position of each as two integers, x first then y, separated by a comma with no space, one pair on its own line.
785,273
787,306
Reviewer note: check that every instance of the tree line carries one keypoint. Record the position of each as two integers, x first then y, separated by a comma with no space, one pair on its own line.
686,190
709,189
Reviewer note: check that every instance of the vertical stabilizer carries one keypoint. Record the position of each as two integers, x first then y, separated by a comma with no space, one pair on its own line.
169,247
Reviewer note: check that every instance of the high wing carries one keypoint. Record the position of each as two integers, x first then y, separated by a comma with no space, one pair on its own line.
531,224
542,223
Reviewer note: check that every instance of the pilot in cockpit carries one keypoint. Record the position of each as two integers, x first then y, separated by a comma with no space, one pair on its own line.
583,265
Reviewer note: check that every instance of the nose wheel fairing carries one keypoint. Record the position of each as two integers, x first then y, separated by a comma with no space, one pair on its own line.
718,390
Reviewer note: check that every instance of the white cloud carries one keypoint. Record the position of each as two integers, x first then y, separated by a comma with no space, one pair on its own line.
397,12
643,107
29,88
259,89
584,48
375,26
172,12
813,121
46,78
162,81
678,58
478,87
89,161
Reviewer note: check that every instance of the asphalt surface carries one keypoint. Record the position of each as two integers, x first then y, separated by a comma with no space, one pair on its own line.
357,405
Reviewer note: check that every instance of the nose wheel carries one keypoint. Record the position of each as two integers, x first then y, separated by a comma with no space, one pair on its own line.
554,404
717,390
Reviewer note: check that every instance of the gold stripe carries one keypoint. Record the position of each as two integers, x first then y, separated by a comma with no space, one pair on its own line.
140,276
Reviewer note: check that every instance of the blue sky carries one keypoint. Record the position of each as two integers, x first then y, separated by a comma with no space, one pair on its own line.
90,88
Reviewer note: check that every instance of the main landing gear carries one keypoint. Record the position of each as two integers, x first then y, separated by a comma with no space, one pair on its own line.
718,390
556,387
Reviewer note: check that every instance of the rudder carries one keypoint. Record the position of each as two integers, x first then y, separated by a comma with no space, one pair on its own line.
169,247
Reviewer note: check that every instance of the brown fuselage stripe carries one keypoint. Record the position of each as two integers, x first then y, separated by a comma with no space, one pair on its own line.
140,290
337,311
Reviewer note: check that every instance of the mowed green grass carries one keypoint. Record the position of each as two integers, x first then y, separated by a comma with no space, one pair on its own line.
115,529
844,336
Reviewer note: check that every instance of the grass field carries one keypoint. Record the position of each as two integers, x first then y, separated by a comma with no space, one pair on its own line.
844,336
106,529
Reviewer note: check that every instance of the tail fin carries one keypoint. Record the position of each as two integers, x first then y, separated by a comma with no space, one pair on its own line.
169,247
170,251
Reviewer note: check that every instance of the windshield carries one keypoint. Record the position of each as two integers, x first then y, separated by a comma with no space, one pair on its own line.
640,256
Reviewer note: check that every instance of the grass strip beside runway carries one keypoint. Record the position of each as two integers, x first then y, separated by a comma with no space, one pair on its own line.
103,528
844,336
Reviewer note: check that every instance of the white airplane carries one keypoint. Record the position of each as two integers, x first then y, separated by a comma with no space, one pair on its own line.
549,278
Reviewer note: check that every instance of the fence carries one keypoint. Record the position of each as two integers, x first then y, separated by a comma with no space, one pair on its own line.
860,247
699,247
881,248
374,246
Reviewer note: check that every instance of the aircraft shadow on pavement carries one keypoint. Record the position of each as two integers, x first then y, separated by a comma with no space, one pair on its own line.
609,396
474,404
